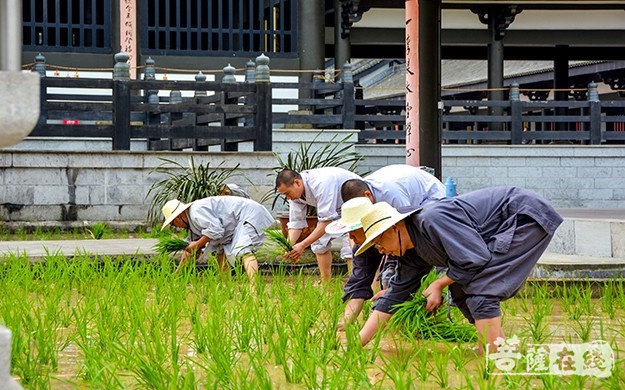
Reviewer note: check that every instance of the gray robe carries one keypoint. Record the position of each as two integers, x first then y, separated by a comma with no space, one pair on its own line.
233,224
489,240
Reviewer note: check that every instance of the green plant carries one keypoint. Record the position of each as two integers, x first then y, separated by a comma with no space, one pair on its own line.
275,245
186,183
412,319
166,245
97,230
335,153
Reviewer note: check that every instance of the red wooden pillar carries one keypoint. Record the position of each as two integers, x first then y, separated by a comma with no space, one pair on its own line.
128,32
412,82
423,84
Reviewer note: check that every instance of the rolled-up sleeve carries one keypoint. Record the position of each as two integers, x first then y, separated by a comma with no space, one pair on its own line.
297,215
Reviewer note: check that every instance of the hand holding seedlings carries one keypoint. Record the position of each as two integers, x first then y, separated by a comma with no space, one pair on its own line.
296,252
434,293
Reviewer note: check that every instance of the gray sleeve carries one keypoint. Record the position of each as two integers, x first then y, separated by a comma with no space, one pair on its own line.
410,271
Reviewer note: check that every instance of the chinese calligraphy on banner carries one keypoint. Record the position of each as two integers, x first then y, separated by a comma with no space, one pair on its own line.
127,33
412,82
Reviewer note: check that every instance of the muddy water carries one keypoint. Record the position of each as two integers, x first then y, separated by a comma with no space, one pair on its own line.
398,362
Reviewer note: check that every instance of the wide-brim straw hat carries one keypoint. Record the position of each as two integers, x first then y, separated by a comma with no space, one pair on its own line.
172,209
379,219
351,212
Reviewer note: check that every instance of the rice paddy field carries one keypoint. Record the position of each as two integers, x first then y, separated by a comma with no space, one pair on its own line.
131,323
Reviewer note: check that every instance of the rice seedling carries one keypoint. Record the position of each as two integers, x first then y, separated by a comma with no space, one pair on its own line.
440,369
608,298
130,323
397,366
274,246
411,317
167,245
534,317
276,236
583,327
98,230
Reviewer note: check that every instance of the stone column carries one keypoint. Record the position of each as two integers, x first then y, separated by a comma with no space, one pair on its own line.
423,127
10,35
412,83
430,85
561,81
495,73
498,19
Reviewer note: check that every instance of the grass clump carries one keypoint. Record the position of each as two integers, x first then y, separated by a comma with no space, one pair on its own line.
97,230
412,318
167,245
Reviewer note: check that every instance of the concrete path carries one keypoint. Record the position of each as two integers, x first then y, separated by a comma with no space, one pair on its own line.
109,247
551,265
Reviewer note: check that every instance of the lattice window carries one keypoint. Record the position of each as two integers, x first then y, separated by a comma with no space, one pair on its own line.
216,27
67,25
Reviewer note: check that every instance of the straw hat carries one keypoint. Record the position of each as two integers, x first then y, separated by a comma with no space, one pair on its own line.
172,209
380,218
234,190
351,212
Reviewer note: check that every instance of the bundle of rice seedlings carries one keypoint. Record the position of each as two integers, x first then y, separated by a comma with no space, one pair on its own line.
166,245
412,318
275,244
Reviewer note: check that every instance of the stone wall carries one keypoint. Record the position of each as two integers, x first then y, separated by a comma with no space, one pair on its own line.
570,176
104,186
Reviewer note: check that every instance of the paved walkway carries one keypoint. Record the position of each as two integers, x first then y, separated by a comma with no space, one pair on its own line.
596,214
144,246
109,247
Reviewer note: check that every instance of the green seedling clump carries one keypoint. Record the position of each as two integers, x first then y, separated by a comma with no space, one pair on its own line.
413,319
276,237
275,245
97,230
166,245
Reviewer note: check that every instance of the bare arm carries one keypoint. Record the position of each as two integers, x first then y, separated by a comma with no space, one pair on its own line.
197,246
316,234
376,321
294,235
192,250
352,310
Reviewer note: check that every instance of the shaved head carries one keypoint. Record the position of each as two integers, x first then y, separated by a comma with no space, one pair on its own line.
354,188
286,178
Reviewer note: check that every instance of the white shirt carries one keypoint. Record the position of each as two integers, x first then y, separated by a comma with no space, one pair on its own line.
322,189
404,185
